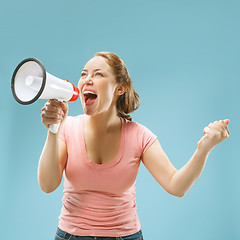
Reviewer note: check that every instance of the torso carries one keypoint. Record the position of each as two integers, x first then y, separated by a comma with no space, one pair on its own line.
102,148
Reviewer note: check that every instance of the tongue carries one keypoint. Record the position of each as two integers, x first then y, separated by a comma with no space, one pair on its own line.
90,100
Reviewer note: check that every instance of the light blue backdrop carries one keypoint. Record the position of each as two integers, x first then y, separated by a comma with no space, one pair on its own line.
183,57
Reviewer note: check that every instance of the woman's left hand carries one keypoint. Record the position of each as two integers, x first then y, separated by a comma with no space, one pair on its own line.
214,133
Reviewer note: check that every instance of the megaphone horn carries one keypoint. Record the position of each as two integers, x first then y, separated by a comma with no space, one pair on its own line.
31,82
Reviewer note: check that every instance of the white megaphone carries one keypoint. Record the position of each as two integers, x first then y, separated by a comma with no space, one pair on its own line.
30,82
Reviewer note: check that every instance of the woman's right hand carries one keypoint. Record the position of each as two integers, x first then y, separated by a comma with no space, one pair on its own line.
54,112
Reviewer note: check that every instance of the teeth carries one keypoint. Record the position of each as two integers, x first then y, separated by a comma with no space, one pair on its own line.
89,92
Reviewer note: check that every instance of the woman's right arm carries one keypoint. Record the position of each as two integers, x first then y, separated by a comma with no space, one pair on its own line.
54,155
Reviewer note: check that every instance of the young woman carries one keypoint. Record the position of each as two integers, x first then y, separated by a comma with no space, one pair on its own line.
100,153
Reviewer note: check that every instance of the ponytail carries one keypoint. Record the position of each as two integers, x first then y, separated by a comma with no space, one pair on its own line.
130,100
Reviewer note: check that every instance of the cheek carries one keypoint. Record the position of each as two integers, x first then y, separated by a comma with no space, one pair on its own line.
108,92
80,83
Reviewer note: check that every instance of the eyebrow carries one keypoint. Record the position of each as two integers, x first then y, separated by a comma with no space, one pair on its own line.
95,70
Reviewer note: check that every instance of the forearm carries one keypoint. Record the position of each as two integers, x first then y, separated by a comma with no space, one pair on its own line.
49,169
184,178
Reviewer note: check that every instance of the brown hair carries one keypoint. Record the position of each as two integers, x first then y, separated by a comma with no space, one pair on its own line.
129,101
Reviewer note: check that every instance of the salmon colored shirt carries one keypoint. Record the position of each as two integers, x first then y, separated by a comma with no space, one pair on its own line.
99,199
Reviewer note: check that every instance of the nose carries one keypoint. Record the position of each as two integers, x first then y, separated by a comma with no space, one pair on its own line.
88,80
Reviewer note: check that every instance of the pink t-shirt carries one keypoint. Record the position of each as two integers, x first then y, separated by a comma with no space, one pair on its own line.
99,199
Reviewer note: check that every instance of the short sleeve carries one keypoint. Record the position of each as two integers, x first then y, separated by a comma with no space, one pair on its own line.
146,138
70,129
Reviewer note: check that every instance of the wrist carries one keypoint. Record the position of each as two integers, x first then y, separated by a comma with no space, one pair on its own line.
53,136
203,149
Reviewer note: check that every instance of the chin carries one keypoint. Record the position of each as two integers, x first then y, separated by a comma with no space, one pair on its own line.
86,110
89,112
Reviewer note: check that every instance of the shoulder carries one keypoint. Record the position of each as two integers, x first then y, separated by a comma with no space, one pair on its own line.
135,125
139,135
71,122
137,128
71,127
75,118
72,119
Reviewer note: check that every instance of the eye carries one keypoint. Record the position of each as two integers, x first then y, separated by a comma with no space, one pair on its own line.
99,74
83,74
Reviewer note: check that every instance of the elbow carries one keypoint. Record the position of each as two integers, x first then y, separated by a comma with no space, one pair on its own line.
180,195
47,189
177,194
47,186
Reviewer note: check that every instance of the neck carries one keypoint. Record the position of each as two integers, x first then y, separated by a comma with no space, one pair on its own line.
103,122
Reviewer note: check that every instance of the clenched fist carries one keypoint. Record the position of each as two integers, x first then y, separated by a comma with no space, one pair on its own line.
54,112
214,133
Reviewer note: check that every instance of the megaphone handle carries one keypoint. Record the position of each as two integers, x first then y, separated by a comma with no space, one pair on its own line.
54,127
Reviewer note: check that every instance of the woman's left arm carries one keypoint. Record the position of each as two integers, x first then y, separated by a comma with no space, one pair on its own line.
178,182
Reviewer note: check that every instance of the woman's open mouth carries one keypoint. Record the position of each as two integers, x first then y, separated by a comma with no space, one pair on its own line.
89,97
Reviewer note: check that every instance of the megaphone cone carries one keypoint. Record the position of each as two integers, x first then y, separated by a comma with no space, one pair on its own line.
20,84
31,82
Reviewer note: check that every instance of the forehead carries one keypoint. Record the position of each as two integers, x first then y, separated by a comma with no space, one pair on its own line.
97,63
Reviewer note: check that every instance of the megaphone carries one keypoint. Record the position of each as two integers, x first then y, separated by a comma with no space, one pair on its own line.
31,82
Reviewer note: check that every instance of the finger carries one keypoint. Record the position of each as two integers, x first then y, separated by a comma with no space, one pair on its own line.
214,126
228,132
54,102
212,132
224,125
48,121
219,127
64,106
45,105
54,109
226,121
54,106
207,130
49,114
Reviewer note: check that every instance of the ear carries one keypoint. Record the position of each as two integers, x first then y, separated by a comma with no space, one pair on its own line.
121,89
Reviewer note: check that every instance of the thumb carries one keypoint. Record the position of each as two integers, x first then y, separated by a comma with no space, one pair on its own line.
227,121
64,106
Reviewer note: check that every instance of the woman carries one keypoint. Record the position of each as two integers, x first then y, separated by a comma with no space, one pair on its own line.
100,153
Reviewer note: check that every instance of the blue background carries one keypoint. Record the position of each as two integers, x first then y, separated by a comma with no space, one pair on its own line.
183,57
